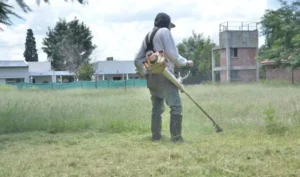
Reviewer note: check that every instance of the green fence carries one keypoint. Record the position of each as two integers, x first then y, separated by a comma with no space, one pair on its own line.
85,84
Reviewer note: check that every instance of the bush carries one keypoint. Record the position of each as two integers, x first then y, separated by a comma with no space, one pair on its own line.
273,127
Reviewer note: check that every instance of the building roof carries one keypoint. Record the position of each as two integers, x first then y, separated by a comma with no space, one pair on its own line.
51,73
63,73
266,62
35,68
13,63
115,67
271,62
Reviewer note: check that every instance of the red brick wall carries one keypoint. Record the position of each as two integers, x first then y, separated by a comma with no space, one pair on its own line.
245,58
297,75
282,74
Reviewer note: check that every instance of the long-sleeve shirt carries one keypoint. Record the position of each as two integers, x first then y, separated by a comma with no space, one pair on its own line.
162,41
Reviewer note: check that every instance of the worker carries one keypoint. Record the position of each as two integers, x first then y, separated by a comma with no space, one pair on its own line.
161,89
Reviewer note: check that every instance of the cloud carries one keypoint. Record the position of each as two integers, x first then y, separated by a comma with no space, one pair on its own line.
119,26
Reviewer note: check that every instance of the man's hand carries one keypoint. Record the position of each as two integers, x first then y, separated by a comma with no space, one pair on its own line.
190,63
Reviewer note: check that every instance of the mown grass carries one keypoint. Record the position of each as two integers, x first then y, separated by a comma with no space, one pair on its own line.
106,133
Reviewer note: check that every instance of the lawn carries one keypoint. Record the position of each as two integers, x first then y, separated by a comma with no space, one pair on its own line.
106,133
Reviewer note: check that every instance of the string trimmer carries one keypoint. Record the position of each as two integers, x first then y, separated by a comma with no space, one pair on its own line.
156,64
179,85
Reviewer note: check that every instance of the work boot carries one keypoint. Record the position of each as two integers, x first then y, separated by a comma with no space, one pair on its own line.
175,128
156,127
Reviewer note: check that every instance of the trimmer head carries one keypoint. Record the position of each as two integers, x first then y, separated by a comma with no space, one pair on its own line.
218,129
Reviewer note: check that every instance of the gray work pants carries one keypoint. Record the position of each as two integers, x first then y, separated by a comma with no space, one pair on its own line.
161,89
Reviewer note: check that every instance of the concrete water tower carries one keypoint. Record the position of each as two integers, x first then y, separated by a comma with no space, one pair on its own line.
234,58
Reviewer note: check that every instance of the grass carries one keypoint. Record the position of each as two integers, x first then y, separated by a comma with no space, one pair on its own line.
106,133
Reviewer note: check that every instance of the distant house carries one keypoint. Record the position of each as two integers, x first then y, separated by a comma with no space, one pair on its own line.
13,72
16,71
274,72
115,70
41,72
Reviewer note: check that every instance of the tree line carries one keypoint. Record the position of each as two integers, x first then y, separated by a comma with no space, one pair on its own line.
69,46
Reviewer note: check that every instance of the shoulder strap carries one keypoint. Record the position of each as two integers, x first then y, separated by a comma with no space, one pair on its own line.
150,43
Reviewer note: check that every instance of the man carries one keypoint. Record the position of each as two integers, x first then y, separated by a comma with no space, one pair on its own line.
161,89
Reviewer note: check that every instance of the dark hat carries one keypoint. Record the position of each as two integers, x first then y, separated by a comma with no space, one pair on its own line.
163,20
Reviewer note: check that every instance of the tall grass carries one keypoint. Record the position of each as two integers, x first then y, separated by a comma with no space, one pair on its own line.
235,107
58,111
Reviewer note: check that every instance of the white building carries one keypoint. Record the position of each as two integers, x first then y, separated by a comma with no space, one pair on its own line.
14,71
115,70
40,72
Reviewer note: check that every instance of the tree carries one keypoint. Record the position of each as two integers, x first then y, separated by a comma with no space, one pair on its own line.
198,49
68,45
85,72
281,28
6,10
30,53
72,54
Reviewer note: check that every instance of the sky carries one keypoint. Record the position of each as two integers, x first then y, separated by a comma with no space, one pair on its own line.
119,26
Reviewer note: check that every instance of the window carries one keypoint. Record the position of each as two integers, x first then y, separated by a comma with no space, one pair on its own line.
234,52
234,75
117,78
14,80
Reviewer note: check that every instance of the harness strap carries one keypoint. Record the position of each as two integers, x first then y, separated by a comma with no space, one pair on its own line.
150,43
